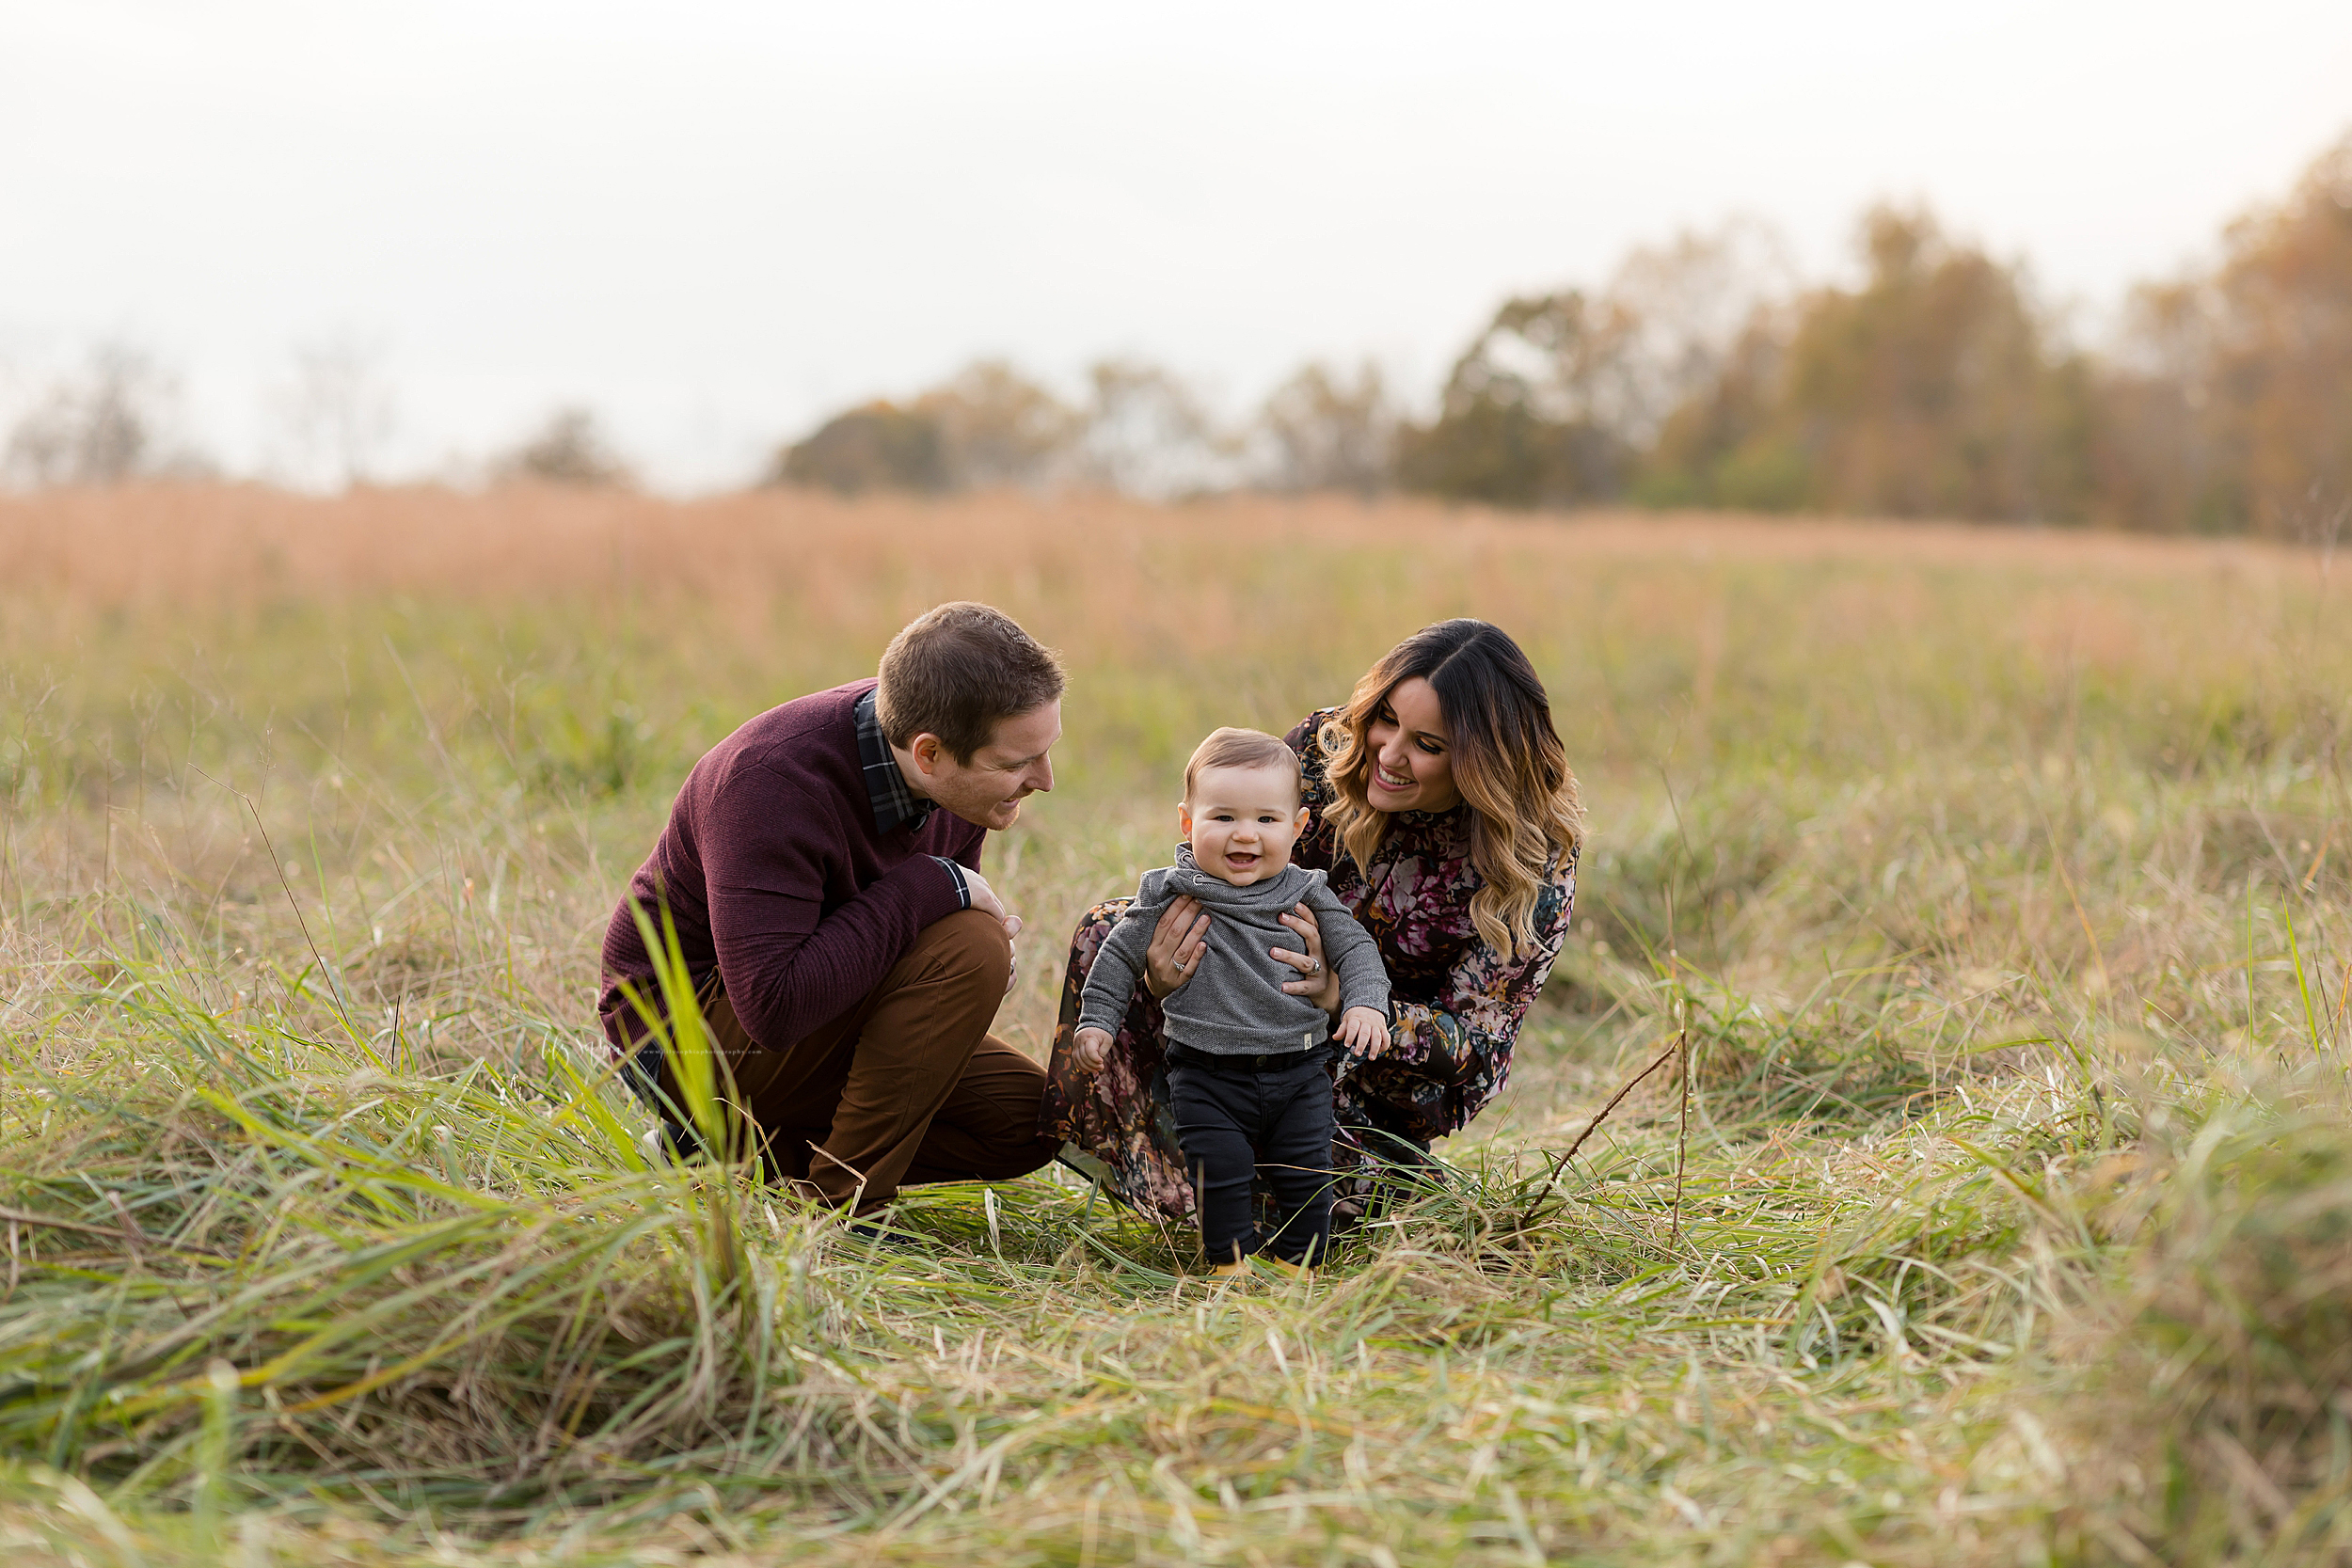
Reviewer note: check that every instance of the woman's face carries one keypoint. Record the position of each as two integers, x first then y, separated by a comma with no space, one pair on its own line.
1412,760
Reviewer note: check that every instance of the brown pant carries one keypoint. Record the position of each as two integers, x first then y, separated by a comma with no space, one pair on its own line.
907,1086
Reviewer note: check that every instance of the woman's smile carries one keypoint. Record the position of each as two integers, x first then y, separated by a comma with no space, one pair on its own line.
1412,766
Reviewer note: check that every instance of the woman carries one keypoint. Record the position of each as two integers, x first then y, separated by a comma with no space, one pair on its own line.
1442,805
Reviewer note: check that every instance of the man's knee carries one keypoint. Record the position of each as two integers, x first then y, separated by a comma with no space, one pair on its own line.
968,943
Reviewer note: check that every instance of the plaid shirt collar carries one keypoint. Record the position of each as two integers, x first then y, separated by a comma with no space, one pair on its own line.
894,805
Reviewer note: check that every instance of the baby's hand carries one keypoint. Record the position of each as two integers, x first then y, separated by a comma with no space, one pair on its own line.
1091,1047
1365,1031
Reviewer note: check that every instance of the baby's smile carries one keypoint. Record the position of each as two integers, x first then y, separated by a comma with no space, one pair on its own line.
1243,822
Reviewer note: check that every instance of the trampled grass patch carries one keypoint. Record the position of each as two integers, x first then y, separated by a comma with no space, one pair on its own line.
1996,883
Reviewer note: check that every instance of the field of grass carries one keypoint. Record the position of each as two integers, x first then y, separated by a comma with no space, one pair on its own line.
2001,884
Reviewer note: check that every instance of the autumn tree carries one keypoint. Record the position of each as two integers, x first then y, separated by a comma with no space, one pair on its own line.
985,426
108,423
1936,388
879,446
1325,429
1723,445
2228,406
1527,418
996,427
1147,432
570,449
1556,401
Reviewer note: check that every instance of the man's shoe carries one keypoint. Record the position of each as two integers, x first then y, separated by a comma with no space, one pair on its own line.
874,1233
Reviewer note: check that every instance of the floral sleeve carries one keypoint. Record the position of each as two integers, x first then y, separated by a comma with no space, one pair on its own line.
1449,1056
1457,1003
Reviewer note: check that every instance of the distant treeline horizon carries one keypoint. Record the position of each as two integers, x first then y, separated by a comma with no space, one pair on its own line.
1703,374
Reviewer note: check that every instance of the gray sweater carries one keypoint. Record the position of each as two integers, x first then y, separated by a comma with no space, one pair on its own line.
1234,1004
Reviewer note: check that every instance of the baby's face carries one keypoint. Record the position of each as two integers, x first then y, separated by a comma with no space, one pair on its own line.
1242,821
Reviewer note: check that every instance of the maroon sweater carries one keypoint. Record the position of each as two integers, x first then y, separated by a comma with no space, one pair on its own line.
774,873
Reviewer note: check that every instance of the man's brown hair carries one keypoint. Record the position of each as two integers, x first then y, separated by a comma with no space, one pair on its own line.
955,671
1232,748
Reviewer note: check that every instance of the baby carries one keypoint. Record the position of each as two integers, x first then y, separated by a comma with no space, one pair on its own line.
1246,1060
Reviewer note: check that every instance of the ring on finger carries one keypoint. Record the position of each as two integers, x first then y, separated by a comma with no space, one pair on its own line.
1314,966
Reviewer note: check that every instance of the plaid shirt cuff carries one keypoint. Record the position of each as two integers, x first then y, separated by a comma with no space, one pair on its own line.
955,874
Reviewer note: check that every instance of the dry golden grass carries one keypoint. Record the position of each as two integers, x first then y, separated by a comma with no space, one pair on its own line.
2004,881
807,585
217,546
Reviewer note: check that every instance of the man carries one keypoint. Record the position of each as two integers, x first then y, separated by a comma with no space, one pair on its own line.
822,868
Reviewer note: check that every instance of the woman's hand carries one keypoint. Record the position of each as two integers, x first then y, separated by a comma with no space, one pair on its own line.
1315,981
1177,942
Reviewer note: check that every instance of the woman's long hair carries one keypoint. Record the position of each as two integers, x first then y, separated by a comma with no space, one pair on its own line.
1508,764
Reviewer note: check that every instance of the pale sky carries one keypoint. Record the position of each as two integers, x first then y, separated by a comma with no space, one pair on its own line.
713,223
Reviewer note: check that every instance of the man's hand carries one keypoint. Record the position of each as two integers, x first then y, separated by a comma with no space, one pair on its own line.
984,899
1091,1048
1365,1031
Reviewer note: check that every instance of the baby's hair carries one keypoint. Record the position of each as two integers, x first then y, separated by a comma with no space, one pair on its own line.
1234,748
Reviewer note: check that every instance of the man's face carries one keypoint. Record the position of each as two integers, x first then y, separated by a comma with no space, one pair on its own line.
987,791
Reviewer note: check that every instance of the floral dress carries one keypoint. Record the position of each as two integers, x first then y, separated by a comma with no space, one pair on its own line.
1456,1003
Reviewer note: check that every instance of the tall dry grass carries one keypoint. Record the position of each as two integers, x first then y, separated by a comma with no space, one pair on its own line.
2000,881
212,546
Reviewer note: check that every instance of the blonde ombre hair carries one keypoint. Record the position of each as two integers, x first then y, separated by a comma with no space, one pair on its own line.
1507,760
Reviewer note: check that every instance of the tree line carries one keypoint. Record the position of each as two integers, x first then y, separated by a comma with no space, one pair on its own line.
117,418
1701,373
1701,376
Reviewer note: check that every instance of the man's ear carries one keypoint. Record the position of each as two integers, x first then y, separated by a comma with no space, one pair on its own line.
925,749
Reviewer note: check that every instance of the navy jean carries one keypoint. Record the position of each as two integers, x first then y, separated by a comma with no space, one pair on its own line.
1234,1124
